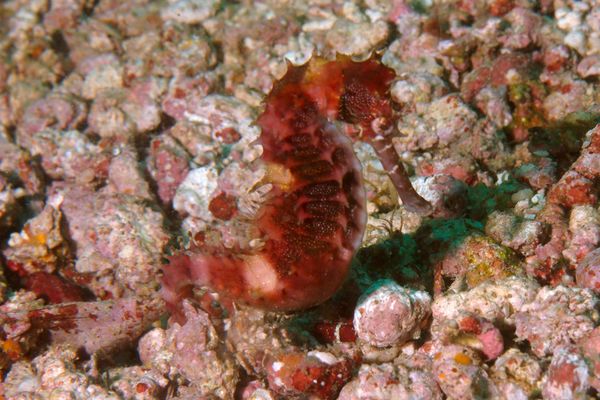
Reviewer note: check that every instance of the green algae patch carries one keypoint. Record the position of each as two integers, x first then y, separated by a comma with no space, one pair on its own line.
396,258
482,200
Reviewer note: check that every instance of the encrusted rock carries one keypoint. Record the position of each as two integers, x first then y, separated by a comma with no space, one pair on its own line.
517,233
477,259
587,273
53,375
70,155
201,356
190,11
516,374
460,374
352,38
389,314
589,346
496,301
470,330
556,317
125,175
41,246
168,164
391,381
120,239
56,111
191,197
589,66
568,376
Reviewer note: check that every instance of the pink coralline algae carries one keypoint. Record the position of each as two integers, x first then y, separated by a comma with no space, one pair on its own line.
398,380
314,218
588,272
568,375
119,238
199,354
486,337
590,348
53,375
57,111
576,186
516,374
557,317
584,227
390,314
575,190
460,372
168,164
69,155
469,329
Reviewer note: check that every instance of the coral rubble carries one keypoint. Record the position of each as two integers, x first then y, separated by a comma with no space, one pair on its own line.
275,145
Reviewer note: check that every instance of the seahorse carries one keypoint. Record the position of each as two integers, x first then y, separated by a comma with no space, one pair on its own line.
314,218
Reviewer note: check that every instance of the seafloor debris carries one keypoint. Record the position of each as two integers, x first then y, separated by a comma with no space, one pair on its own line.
129,134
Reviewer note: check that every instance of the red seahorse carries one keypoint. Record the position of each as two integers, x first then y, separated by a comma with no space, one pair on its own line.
315,216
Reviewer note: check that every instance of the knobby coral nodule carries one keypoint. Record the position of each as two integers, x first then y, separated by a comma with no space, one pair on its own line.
315,216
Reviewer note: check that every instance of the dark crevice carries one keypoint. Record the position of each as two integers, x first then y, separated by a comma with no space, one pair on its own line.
89,7
59,44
